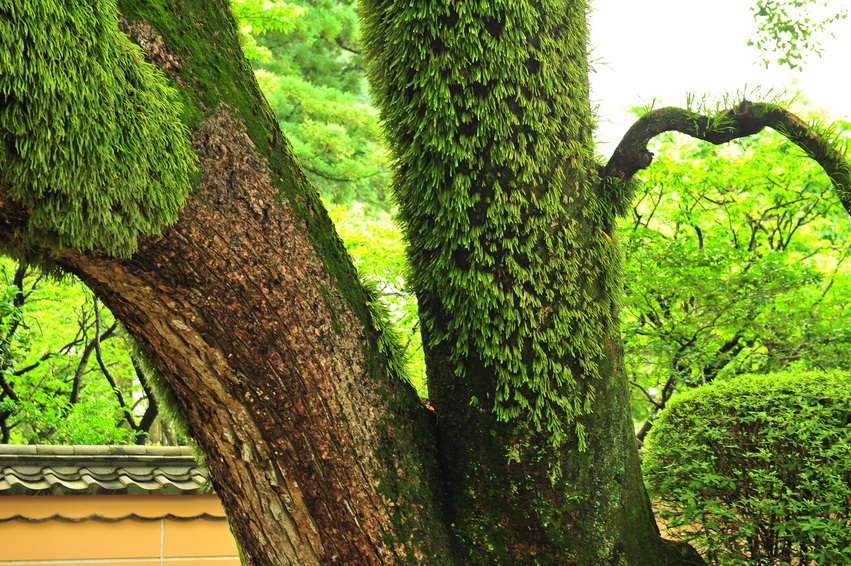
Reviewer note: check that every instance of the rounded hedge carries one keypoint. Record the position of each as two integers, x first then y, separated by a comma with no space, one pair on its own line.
757,469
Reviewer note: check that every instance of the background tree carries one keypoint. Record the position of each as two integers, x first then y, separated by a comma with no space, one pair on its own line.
247,305
313,79
738,265
69,374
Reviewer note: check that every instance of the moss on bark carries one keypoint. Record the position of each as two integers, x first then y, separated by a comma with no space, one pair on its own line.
92,142
487,111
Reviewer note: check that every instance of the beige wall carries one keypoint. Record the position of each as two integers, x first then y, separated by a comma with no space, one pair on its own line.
129,541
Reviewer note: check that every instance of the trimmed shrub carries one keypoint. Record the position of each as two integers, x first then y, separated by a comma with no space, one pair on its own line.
757,469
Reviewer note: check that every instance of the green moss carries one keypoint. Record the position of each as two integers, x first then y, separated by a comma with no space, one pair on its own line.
213,73
486,109
93,142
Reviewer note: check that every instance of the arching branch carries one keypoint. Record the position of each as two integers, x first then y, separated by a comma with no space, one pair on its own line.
744,120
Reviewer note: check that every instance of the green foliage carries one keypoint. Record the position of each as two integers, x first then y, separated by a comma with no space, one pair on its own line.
47,417
335,136
313,80
323,49
484,107
92,140
789,29
755,470
263,16
375,245
736,262
54,390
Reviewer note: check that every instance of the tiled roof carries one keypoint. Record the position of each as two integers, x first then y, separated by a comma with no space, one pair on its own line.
71,470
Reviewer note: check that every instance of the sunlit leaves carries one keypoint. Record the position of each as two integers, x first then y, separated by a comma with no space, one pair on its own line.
315,85
736,262
261,16
375,244
58,395
788,30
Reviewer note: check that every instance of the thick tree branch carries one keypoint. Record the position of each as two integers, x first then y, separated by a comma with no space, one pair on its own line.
744,120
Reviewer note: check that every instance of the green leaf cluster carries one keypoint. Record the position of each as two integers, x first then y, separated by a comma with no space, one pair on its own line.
262,16
483,107
736,262
323,48
313,80
45,326
335,136
93,144
755,470
790,29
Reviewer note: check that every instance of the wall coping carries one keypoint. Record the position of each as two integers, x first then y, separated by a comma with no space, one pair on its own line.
95,470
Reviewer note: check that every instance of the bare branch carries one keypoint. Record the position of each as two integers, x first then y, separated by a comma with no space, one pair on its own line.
646,393
342,45
153,408
128,414
746,119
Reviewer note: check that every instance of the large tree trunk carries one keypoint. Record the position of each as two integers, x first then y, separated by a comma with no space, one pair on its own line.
487,111
250,310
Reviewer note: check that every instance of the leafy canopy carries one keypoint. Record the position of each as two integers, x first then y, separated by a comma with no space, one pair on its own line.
58,344
736,262
313,80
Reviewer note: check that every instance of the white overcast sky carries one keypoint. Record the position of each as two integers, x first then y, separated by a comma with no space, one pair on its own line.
663,49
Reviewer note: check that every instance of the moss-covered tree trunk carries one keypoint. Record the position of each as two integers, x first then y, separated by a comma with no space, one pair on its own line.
514,262
251,312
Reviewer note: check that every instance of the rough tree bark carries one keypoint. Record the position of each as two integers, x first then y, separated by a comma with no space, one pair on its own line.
250,310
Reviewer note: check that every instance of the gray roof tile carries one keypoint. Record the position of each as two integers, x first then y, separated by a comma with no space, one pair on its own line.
66,470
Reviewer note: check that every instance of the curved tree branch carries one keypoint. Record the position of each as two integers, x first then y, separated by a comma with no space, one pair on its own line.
744,120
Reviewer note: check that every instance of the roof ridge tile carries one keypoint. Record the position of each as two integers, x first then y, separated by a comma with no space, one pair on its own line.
27,469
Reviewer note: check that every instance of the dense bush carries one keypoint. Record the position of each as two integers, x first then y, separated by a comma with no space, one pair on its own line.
757,469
